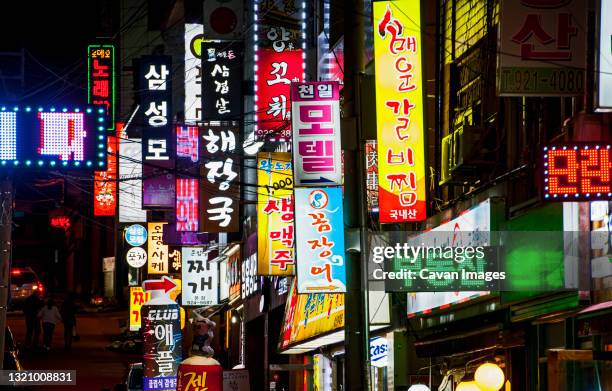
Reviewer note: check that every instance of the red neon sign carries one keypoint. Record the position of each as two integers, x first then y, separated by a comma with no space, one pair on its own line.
105,183
187,218
62,222
577,172
275,72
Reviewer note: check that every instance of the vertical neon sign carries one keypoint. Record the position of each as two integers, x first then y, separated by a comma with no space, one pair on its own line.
101,79
280,56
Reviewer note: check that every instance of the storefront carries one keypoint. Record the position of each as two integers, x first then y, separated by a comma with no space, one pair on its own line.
313,335
588,366
516,326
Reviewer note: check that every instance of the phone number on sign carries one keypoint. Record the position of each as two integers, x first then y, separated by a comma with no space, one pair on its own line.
19,378
541,80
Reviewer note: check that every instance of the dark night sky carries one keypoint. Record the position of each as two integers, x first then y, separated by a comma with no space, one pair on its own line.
56,33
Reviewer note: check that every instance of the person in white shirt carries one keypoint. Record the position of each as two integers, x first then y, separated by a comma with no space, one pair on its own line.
49,315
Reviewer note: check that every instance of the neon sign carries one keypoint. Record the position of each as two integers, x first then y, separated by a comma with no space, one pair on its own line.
399,111
62,222
279,58
577,172
105,183
101,79
187,219
53,138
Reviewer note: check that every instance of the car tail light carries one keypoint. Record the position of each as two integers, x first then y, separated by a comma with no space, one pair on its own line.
16,272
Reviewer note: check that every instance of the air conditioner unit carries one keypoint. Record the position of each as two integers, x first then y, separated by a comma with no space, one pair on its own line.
446,157
469,155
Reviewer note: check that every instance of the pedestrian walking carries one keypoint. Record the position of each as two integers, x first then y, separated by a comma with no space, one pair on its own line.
68,313
30,310
49,315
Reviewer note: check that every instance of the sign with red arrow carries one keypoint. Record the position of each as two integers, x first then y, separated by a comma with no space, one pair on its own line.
166,284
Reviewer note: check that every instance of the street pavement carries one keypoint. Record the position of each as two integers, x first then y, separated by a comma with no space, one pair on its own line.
96,367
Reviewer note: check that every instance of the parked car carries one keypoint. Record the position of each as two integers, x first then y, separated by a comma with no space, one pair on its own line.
24,282
134,377
11,353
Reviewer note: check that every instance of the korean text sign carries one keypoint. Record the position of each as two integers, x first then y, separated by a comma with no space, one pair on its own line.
200,378
137,298
50,138
315,112
200,278
156,107
130,183
220,173
542,48
279,60
276,72
604,63
275,214
222,81
105,183
319,232
157,132
233,275
371,165
308,316
101,79
162,345
399,111
157,250
194,34
251,282
577,172
187,185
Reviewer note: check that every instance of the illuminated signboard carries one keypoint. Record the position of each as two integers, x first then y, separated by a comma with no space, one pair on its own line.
101,79
223,19
280,51
577,172
319,232
399,111
275,214
200,278
187,198
187,147
157,249
251,282
193,72
233,277
604,63
542,48
220,173
52,138
105,183
187,186
371,165
222,81
316,133
311,315
473,227
157,132
130,181
137,298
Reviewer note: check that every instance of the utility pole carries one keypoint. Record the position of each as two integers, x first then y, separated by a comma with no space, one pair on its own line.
6,226
356,319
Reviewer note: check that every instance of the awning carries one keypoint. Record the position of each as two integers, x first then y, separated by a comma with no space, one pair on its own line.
326,340
478,339
598,309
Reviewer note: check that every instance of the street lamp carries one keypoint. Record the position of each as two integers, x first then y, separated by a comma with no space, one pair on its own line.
489,377
468,386
419,387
